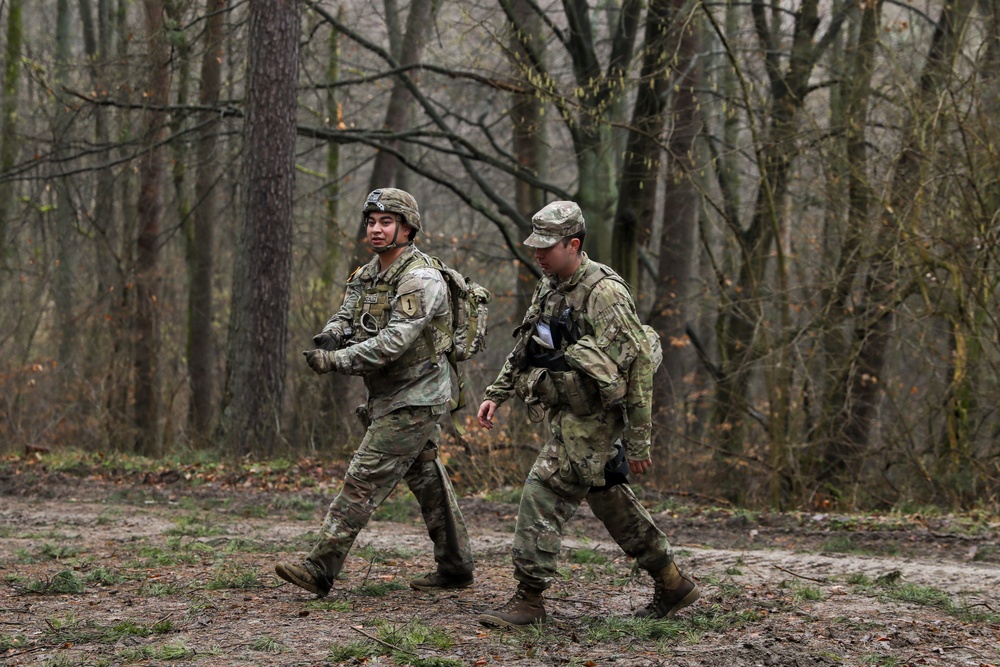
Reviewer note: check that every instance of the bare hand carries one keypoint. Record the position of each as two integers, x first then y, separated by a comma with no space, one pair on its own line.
639,467
486,412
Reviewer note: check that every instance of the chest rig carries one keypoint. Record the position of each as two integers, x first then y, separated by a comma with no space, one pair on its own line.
372,313
545,375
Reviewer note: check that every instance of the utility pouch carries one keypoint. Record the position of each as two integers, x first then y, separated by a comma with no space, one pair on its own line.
587,358
575,392
535,387
615,470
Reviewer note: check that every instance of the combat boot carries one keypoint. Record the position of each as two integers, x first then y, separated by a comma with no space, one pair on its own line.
305,576
525,607
672,591
439,580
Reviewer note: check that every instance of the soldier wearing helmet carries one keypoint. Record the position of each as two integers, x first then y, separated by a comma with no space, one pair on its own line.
390,331
584,358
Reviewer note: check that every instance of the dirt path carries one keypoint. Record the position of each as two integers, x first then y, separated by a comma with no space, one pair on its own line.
183,576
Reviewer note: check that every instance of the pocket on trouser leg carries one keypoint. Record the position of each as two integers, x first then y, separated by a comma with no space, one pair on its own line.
549,543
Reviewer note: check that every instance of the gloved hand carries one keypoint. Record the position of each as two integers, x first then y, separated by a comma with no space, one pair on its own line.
327,340
319,360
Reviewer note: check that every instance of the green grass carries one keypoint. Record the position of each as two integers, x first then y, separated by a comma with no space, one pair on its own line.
383,555
714,619
890,587
377,588
356,651
24,556
406,638
846,544
194,526
58,552
153,557
104,576
266,644
300,507
234,576
248,546
11,642
807,593
611,629
108,515
401,507
416,633
586,557
505,494
65,582
70,630
165,652
879,660
329,605
156,588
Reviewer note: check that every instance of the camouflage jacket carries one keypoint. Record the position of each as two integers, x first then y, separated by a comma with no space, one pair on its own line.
393,345
609,323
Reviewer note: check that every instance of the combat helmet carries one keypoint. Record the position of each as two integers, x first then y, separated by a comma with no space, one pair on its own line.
395,201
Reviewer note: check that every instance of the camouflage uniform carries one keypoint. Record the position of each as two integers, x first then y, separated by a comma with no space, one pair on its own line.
388,318
604,395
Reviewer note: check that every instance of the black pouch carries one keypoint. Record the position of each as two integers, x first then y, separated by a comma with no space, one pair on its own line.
615,470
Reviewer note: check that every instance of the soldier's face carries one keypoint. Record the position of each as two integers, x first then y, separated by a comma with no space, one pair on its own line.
559,260
381,228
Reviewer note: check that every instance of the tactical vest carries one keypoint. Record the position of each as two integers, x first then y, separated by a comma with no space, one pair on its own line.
372,313
545,378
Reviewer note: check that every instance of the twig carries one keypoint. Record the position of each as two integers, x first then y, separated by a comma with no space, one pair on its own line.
802,576
383,643
371,564
27,650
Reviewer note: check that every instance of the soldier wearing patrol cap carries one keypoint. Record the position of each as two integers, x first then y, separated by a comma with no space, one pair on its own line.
583,358
389,330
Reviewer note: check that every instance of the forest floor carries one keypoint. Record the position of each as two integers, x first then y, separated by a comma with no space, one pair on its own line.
174,568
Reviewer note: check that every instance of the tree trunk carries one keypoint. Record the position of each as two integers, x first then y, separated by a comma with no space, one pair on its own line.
680,218
8,116
258,325
836,349
150,214
637,191
527,46
200,341
65,210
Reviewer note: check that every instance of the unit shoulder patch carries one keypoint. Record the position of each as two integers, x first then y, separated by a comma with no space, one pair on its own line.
410,304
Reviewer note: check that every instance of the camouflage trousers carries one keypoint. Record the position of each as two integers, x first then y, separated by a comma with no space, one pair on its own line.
400,445
554,489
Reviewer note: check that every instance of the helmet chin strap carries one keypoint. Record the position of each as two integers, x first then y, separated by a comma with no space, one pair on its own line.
392,244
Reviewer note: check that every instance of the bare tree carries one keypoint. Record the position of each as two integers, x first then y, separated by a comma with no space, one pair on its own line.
200,343
252,404
150,214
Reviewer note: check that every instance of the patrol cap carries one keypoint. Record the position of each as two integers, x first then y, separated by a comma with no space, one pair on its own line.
393,200
554,222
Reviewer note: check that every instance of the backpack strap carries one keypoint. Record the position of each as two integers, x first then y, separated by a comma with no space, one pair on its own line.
443,324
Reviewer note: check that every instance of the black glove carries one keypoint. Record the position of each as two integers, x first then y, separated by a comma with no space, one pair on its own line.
327,340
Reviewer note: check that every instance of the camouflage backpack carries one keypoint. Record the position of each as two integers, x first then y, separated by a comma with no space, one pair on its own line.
467,301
